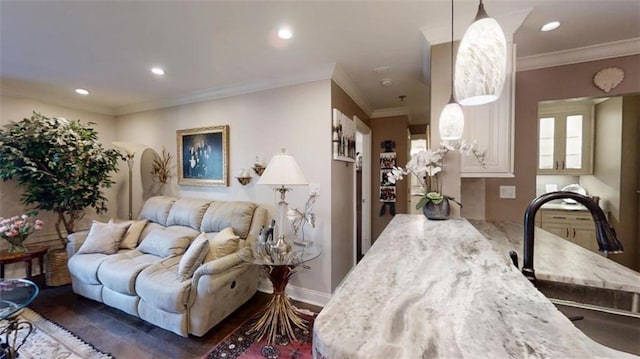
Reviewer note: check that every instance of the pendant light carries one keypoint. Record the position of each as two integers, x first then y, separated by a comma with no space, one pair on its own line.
481,62
451,123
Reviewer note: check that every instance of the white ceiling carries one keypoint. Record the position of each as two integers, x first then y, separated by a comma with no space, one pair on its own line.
49,48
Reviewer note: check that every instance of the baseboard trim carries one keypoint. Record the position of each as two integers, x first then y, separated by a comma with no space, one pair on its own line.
300,294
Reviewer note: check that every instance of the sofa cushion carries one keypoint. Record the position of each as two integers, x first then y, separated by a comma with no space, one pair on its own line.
84,267
221,244
118,272
187,212
164,243
160,286
103,238
132,235
156,209
193,257
237,215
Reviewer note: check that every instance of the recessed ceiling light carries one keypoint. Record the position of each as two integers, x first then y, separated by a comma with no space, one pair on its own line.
82,92
550,26
285,33
157,71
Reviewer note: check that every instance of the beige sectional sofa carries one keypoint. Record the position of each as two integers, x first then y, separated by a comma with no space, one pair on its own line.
149,280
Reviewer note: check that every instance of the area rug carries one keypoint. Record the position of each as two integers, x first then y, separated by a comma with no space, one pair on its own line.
50,340
241,344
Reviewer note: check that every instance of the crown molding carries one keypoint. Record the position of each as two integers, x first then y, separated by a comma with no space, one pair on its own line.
391,112
342,79
581,54
214,93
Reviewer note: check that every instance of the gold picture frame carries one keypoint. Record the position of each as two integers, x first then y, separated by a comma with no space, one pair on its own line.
203,156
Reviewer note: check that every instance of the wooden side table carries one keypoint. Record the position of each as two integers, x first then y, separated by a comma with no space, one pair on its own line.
26,257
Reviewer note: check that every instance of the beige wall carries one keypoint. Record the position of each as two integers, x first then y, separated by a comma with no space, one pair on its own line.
607,159
629,197
297,118
342,195
532,86
383,129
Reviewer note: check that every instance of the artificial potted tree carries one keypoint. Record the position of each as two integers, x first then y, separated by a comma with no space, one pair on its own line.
61,167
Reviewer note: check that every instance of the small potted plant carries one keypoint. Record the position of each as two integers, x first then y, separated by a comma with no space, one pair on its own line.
426,165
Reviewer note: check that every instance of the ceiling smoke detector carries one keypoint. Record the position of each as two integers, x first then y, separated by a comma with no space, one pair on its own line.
385,82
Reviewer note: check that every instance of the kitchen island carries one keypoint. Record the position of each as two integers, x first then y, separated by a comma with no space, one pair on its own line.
439,289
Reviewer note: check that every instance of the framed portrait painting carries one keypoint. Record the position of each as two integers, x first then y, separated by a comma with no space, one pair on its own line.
203,156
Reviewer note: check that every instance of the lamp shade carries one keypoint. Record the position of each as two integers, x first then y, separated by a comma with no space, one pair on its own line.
283,170
451,123
481,62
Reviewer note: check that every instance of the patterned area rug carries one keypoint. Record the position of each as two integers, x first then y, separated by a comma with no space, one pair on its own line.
241,344
50,340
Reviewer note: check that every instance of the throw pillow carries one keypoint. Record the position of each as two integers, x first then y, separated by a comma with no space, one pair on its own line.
163,243
130,239
103,238
224,243
193,257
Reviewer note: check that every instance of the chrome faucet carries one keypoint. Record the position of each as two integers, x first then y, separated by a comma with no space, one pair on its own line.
605,234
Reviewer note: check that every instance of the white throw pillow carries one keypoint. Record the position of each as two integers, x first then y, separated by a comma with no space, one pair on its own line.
130,239
103,238
163,243
193,257
224,243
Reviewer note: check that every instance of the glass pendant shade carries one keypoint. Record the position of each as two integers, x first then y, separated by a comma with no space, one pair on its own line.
481,63
451,123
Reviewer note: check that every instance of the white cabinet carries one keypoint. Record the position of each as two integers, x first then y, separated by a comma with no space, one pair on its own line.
565,139
491,126
574,226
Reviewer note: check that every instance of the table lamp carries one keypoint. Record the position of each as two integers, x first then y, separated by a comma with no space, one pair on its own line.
130,150
282,171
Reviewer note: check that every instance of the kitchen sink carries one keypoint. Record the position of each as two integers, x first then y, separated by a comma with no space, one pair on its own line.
612,328
609,317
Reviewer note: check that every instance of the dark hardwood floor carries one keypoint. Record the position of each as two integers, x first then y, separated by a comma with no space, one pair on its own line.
128,337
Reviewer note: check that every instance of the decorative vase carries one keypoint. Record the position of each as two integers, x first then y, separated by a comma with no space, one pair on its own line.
438,211
16,244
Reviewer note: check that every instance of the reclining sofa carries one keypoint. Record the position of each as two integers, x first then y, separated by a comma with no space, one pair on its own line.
146,278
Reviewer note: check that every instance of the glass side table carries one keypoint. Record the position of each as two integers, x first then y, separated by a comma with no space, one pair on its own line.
279,316
15,294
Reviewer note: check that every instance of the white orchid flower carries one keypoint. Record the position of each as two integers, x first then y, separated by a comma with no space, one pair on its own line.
433,170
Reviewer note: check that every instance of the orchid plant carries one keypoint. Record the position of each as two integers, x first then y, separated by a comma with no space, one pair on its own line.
426,165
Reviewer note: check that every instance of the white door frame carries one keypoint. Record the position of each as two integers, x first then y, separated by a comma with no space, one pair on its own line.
365,131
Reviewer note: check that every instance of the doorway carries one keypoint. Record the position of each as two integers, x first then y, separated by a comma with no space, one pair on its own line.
416,192
362,191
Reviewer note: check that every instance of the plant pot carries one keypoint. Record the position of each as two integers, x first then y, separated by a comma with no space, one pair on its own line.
438,211
57,271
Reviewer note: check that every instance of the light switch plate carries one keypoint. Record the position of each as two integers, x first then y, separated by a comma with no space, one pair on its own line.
508,192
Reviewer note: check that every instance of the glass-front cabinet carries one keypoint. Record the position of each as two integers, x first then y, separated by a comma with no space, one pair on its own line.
565,139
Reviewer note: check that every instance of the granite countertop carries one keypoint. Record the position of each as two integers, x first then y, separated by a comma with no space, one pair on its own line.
440,289
559,260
